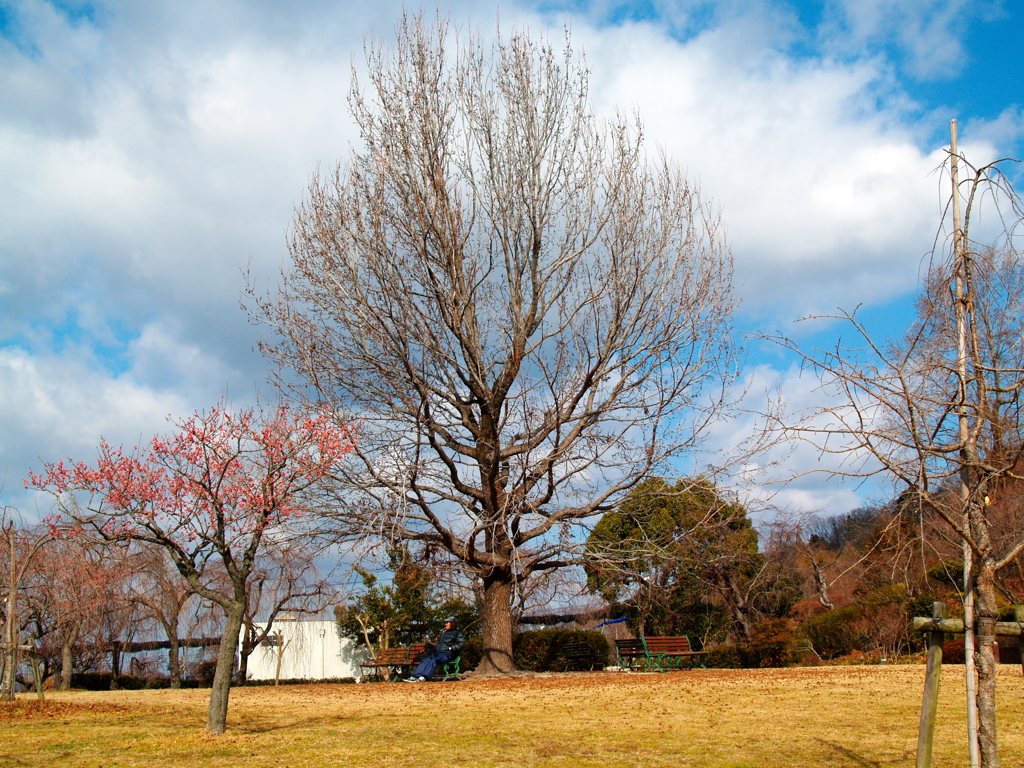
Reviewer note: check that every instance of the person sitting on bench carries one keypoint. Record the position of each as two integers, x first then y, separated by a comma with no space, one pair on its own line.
447,648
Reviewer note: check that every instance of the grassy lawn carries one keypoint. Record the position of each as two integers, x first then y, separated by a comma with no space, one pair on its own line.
845,716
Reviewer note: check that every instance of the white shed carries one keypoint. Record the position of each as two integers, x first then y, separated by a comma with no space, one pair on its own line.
308,650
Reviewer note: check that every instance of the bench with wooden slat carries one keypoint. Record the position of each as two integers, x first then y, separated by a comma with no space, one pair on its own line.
629,651
581,652
659,653
395,663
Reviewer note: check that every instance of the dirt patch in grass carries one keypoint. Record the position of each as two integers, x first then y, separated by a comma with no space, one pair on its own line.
825,716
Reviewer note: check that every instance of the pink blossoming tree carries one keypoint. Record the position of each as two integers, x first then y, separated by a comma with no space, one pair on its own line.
209,493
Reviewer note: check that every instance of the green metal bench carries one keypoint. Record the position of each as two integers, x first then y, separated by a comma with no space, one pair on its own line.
658,653
583,653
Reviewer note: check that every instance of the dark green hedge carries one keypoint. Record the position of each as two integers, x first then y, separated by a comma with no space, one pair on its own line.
100,681
726,657
542,650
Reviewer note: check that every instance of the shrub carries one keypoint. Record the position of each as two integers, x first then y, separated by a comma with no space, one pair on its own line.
542,650
1006,613
835,633
100,681
953,651
472,652
769,644
725,657
301,681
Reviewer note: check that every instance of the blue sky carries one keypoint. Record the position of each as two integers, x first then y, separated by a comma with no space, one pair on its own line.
152,153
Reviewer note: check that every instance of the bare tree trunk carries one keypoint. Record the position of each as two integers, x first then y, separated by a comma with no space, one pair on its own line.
174,662
643,611
364,627
115,668
243,664
281,643
985,656
951,417
822,585
736,600
67,658
573,294
497,621
217,716
245,650
173,653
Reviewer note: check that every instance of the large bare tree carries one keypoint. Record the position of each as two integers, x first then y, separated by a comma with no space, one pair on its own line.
942,412
527,311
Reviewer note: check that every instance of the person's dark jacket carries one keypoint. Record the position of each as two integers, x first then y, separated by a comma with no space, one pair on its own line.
451,641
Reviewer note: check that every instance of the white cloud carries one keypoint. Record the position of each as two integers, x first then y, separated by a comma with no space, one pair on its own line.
1005,130
67,400
58,406
827,201
149,154
783,473
926,38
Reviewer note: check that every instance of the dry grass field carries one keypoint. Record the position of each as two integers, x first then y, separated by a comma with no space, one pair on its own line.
836,716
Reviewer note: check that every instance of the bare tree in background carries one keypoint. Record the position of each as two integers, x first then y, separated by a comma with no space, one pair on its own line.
942,411
527,313
158,586
18,546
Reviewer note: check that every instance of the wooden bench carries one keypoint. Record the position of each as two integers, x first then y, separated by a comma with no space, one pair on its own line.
392,663
582,652
658,653
396,663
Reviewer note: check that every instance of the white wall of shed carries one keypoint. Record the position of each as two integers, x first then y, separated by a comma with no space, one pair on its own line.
313,650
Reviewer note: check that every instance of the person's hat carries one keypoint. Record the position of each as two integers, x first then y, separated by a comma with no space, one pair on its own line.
450,619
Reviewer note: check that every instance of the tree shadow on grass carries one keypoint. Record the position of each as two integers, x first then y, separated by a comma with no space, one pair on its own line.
850,756
256,726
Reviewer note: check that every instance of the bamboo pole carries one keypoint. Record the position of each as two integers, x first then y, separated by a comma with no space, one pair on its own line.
11,628
966,449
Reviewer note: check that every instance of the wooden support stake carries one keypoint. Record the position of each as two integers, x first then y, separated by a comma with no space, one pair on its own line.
37,676
956,626
1018,611
930,703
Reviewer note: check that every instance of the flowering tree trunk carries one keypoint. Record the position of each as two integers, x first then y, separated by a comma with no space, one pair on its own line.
217,714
